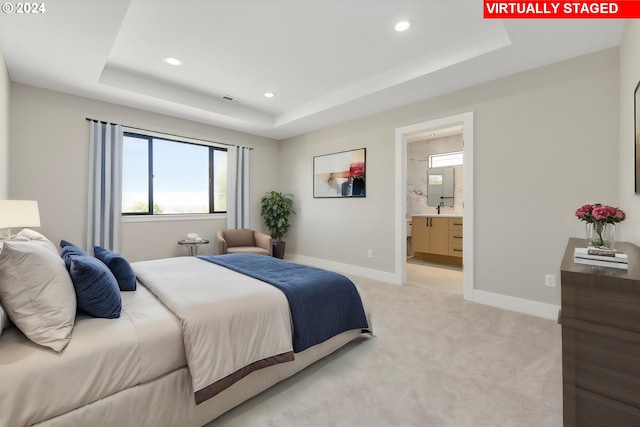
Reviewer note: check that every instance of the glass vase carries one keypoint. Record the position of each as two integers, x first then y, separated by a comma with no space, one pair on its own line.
601,236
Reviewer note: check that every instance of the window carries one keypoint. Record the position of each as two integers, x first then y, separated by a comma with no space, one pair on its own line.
164,176
445,159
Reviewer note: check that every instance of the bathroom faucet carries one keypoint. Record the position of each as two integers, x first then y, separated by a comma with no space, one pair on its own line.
441,205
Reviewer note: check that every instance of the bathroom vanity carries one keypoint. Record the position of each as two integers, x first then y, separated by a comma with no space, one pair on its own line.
437,238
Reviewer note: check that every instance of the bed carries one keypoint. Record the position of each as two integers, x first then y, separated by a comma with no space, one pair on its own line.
197,336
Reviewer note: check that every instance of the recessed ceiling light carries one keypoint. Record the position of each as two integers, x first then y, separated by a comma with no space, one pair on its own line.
432,134
402,26
172,60
269,94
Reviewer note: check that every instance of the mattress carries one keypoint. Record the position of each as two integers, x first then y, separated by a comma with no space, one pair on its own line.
104,356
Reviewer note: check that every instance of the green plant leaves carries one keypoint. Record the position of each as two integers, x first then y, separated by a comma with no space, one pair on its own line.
275,209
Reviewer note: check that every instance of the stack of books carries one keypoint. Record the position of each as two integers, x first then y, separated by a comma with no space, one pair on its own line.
600,257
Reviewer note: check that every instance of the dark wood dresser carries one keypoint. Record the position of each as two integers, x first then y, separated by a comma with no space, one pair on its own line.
600,320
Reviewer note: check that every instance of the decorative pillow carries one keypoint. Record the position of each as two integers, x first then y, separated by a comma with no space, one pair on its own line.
5,322
96,287
69,250
27,234
119,266
71,246
37,293
64,243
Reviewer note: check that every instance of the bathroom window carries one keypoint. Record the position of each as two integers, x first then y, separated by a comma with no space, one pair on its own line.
445,159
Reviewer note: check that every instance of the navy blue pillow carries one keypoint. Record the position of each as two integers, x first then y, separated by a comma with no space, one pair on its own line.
119,266
66,244
68,250
96,288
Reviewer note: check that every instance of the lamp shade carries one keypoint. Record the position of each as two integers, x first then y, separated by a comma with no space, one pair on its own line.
19,213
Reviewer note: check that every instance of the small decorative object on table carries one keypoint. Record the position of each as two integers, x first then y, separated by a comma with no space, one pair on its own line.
601,258
600,224
192,242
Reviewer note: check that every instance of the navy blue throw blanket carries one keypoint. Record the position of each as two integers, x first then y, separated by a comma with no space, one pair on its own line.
322,303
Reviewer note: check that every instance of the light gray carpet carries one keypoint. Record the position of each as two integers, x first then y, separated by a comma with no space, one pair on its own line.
436,361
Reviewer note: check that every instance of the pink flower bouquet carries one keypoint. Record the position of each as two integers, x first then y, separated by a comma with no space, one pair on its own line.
598,215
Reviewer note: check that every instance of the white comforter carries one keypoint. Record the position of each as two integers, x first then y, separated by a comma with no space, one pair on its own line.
104,357
231,323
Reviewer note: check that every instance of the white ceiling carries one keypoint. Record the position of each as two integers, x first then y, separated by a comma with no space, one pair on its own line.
327,61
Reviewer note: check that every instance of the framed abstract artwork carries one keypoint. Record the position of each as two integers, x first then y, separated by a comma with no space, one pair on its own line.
340,174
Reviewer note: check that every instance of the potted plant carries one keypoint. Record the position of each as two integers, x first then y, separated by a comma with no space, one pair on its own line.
276,208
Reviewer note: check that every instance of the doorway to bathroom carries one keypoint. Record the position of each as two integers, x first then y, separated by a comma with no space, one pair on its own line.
435,171
428,271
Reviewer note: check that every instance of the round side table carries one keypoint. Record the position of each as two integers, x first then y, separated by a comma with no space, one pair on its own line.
193,246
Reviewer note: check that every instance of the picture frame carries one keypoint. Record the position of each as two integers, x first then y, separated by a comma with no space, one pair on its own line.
341,174
636,135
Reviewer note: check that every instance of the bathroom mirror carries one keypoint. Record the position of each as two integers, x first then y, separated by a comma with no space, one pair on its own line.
440,186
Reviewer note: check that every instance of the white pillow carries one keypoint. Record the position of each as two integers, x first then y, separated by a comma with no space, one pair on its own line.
37,293
5,322
27,234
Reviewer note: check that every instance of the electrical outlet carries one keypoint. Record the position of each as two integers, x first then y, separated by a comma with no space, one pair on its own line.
370,253
550,280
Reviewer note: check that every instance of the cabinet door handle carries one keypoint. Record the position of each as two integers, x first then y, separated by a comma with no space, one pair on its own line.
457,237
457,250
457,223
430,222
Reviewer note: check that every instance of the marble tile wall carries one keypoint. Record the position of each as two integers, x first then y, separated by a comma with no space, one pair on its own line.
417,161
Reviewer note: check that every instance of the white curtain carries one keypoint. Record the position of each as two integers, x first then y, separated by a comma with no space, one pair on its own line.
238,213
105,186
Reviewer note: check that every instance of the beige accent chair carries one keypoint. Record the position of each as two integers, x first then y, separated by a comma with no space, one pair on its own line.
244,241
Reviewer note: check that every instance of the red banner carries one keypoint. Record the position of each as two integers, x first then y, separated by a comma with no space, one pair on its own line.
624,9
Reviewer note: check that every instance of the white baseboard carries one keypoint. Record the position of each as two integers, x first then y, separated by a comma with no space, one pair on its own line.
339,267
534,308
520,305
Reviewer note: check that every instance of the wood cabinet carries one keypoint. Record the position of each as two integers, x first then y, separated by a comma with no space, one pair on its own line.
430,235
437,239
600,318
455,237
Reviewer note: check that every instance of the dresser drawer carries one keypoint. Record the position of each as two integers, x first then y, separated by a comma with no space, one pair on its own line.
603,365
609,304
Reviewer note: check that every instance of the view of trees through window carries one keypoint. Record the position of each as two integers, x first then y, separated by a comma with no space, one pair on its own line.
173,177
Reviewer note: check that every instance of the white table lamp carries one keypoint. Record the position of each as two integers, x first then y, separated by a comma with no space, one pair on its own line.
18,213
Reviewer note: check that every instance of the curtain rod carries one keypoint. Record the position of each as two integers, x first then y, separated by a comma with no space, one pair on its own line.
164,133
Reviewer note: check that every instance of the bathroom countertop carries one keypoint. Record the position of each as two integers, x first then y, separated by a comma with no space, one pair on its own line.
439,215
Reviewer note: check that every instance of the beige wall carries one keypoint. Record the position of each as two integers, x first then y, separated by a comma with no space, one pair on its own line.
5,84
545,142
629,77
49,163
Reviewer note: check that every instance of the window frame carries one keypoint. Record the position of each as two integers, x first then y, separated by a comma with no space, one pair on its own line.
149,137
448,153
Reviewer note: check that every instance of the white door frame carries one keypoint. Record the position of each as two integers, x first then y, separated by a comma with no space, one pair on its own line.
466,120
